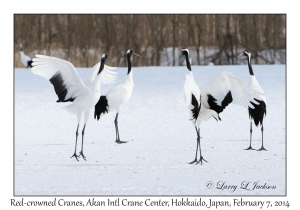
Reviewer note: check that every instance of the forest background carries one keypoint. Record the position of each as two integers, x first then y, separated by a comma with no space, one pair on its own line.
213,39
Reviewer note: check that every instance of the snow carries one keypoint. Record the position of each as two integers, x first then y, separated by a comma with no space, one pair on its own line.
206,55
161,141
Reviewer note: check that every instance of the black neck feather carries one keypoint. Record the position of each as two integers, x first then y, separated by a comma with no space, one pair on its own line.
129,64
101,66
250,67
188,65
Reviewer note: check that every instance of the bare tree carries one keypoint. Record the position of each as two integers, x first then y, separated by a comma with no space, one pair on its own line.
82,39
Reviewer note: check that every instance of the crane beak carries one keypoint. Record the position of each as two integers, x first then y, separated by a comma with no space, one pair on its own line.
109,58
241,56
136,54
181,58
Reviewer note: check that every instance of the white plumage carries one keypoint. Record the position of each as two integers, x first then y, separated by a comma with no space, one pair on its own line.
222,84
108,76
259,111
253,84
70,88
212,98
117,97
190,90
26,60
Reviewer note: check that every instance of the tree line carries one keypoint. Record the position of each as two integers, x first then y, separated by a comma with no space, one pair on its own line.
158,38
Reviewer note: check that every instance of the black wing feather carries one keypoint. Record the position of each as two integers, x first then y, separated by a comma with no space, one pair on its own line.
101,107
214,106
196,108
60,89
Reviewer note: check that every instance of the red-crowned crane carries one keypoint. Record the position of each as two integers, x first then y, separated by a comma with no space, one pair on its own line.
70,88
259,111
25,59
117,97
212,98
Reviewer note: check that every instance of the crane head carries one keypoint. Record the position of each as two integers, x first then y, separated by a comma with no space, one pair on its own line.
245,54
105,57
131,52
184,52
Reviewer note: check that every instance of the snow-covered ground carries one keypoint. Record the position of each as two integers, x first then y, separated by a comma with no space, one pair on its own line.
161,141
206,54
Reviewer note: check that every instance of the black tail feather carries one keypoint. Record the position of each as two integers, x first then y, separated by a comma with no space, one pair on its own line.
101,107
258,113
29,64
196,108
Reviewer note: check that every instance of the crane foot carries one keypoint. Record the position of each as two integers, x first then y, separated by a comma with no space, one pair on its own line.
249,148
76,156
120,142
81,154
262,148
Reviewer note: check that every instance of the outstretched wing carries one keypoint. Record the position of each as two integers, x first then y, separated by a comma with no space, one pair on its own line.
226,88
107,75
63,76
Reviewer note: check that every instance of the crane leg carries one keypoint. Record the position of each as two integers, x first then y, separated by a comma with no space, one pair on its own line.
81,152
117,131
74,155
198,139
250,147
198,144
194,161
262,139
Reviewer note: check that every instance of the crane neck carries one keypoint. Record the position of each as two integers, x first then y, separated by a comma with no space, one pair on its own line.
188,64
250,67
128,64
95,86
129,73
190,73
96,83
129,78
101,66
